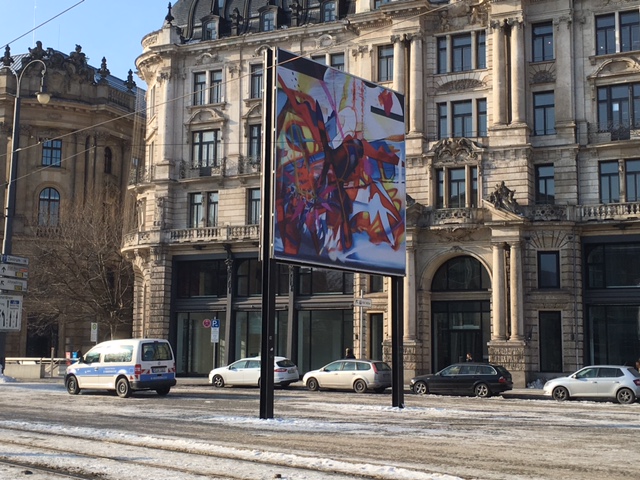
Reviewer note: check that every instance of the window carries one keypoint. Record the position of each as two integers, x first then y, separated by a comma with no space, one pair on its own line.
254,206
196,212
481,106
212,209
152,101
545,184
611,40
461,53
248,277
268,21
442,54
329,11
207,149
337,61
548,269
201,278
544,113
376,283
481,50
199,88
443,131
108,160
456,188
614,265
215,89
255,143
256,81
319,58
440,188
378,3
609,182
52,153
632,176
385,63
461,273
550,341
49,208
462,119
542,42
619,109
318,281
210,30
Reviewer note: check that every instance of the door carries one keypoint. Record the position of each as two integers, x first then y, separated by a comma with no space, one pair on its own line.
329,377
585,383
609,381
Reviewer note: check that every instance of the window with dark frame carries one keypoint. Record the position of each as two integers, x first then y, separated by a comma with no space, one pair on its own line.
199,88
632,180
255,143
49,208
610,40
442,54
206,149
457,188
385,63
629,31
210,30
549,269
337,61
542,42
481,50
619,109
376,283
544,113
212,209
605,34
481,107
268,22
462,114
443,123
329,11
609,178
545,184
461,53
254,206
256,81
215,86
52,153
196,211
440,188
612,265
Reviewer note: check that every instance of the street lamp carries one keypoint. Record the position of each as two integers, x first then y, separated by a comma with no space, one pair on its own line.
43,98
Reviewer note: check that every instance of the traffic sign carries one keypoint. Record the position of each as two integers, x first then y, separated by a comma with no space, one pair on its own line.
13,284
15,271
14,259
10,312
362,302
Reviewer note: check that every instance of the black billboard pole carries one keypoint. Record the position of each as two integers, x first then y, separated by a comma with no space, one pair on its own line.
267,350
397,346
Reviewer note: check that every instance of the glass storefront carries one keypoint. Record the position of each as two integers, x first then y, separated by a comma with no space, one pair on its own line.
195,353
614,334
323,336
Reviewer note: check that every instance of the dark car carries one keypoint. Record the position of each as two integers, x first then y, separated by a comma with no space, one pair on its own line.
479,379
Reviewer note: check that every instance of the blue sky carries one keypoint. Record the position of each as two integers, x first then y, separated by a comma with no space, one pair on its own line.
104,28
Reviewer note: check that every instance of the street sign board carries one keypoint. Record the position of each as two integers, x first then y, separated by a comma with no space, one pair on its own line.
94,332
14,259
362,302
215,334
10,312
15,271
13,284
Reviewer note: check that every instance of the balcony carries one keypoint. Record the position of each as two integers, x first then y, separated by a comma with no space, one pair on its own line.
202,235
609,211
456,216
613,132
141,174
188,170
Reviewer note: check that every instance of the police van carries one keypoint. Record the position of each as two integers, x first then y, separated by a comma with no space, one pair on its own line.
124,366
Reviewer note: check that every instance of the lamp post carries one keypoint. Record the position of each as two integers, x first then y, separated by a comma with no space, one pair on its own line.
10,206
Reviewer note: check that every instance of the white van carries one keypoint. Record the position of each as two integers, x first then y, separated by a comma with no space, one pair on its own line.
124,366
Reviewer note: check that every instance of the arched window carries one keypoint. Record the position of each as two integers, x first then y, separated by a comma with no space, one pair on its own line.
108,159
49,208
329,11
461,273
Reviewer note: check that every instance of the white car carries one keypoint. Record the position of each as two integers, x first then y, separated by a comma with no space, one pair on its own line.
246,371
358,374
598,381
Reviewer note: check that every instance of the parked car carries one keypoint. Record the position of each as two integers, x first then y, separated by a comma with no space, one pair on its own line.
246,371
597,381
124,366
479,379
357,374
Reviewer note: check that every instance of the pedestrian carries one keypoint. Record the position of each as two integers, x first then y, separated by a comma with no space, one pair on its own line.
638,365
469,357
349,353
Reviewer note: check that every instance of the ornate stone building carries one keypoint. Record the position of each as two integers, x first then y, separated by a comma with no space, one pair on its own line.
523,121
72,150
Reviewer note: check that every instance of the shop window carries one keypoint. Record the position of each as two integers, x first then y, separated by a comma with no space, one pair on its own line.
201,278
613,265
248,277
318,281
609,178
542,42
49,208
52,153
548,269
545,184
544,113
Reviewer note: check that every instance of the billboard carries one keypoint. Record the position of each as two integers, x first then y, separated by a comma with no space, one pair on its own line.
339,170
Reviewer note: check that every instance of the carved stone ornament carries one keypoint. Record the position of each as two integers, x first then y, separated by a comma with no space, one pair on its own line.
502,198
455,150
453,234
461,85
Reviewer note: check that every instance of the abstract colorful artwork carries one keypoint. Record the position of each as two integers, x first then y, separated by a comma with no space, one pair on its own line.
340,193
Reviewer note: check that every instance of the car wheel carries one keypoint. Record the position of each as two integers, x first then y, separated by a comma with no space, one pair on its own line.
560,394
71,385
482,390
163,391
217,381
625,396
123,389
420,388
312,384
359,386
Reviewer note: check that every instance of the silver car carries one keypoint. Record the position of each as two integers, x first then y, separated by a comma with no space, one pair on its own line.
597,381
246,371
358,374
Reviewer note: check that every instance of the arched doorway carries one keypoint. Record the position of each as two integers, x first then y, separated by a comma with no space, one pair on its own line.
460,312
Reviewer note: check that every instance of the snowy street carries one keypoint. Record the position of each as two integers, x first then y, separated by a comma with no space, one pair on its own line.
200,432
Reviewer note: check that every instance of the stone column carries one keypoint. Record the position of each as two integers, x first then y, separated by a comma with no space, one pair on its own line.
564,82
515,286
410,292
416,100
498,73
398,63
498,293
517,72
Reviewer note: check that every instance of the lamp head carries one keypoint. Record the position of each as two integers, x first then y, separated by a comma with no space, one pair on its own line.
43,97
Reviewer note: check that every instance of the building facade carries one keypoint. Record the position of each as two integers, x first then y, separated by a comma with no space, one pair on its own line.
74,150
523,181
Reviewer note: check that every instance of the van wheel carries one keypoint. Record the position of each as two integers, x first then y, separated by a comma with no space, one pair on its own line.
163,391
71,385
123,389
217,381
359,386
